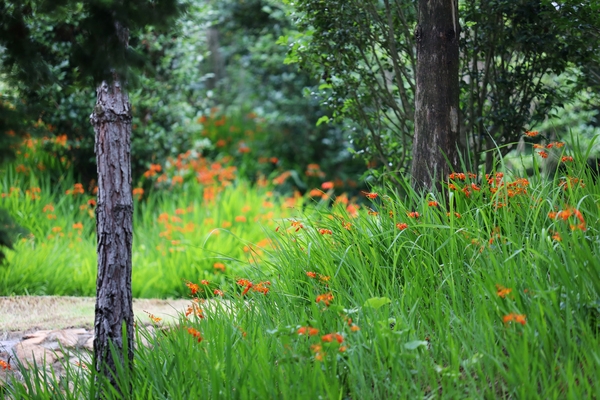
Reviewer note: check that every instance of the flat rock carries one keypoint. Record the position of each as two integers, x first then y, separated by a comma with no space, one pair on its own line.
65,338
30,353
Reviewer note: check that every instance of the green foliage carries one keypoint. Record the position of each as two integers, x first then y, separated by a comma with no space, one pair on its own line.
254,77
464,301
364,52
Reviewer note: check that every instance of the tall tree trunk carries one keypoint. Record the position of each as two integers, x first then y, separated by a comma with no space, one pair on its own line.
114,311
436,99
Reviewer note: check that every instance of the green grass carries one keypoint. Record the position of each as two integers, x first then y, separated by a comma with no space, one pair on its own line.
482,296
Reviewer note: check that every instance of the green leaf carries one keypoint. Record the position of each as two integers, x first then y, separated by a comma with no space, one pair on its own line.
324,119
377,302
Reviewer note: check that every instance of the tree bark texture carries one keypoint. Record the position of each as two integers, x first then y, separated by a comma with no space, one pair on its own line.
114,216
436,136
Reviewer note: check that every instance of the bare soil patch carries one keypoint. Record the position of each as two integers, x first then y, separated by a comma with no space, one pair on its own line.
28,313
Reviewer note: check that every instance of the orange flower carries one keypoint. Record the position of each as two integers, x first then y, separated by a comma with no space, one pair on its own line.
531,133
433,204
195,334
311,274
205,282
327,185
401,225
302,330
154,168
457,175
240,218
246,283
501,291
313,332
4,365
325,298
371,195
78,225
519,318
298,225
316,193
324,231
354,328
194,309
219,266
261,287
543,154
153,318
327,338
56,229
61,140
193,287
48,207
218,292
566,159
138,192
413,214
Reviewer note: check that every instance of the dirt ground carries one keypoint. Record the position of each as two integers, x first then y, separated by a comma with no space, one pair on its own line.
26,313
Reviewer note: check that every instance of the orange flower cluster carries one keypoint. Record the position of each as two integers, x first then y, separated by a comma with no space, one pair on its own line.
195,310
401,225
558,145
193,287
261,287
219,266
153,318
139,192
280,180
571,183
4,365
153,170
324,231
195,333
307,330
314,170
531,133
502,292
326,298
512,317
327,185
77,189
566,214
330,337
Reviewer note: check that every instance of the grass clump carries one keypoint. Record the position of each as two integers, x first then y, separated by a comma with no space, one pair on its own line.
488,289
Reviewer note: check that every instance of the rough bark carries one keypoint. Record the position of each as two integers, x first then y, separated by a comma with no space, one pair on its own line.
436,136
114,214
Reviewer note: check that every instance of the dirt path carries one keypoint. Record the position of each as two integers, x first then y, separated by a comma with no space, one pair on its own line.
29,313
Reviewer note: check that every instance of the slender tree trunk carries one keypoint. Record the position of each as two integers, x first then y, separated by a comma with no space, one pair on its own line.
114,312
437,90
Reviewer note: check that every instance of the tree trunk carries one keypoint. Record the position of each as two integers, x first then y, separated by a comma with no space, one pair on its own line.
114,312
436,136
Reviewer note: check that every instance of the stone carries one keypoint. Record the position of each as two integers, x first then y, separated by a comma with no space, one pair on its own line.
30,353
89,344
64,338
